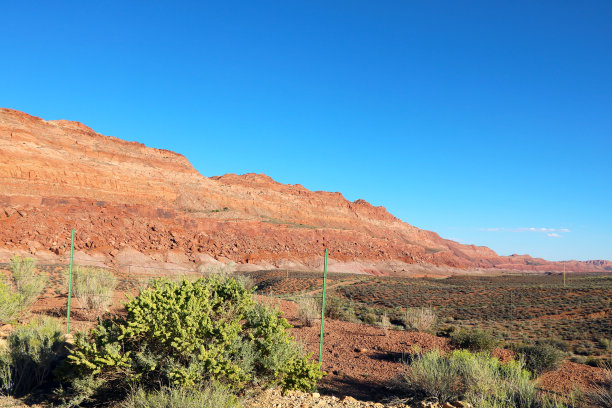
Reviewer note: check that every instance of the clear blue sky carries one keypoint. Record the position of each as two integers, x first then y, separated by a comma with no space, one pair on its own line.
474,119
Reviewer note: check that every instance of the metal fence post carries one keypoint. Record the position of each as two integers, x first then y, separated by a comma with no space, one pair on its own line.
323,308
70,283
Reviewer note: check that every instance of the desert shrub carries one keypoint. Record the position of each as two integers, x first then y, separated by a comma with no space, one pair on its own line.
28,283
226,271
593,361
370,319
308,310
605,343
601,395
559,344
385,323
446,331
31,353
336,309
246,281
187,333
93,288
473,340
475,377
540,357
9,304
220,270
22,267
421,319
211,396
140,283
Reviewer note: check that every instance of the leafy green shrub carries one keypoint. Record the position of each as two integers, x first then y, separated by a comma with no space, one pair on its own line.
477,378
28,283
186,333
308,310
421,319
93,288
9,304
212,396
474,340
32,352
540,357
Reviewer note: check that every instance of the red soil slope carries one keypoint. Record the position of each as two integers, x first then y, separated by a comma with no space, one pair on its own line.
56,175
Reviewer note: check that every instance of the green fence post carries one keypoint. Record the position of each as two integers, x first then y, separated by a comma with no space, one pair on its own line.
323,308
70,283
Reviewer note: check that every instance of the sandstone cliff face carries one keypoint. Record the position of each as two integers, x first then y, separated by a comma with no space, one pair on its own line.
58,175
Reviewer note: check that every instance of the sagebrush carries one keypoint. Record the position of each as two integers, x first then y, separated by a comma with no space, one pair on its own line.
474,377
31,353
9,303
421,319
28,283
601,394
308,310
207,396
385,323
93,288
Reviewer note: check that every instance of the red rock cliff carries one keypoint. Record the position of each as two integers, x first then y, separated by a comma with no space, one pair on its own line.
55,175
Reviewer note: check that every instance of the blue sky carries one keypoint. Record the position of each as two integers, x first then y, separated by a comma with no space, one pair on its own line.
487,122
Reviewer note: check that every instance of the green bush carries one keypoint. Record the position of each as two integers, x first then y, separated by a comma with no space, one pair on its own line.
477,378
187,333
9,304
93,288
212,396
474,340
28,283
540,357
31,353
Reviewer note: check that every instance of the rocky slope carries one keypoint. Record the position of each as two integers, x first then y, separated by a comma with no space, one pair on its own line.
134,204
